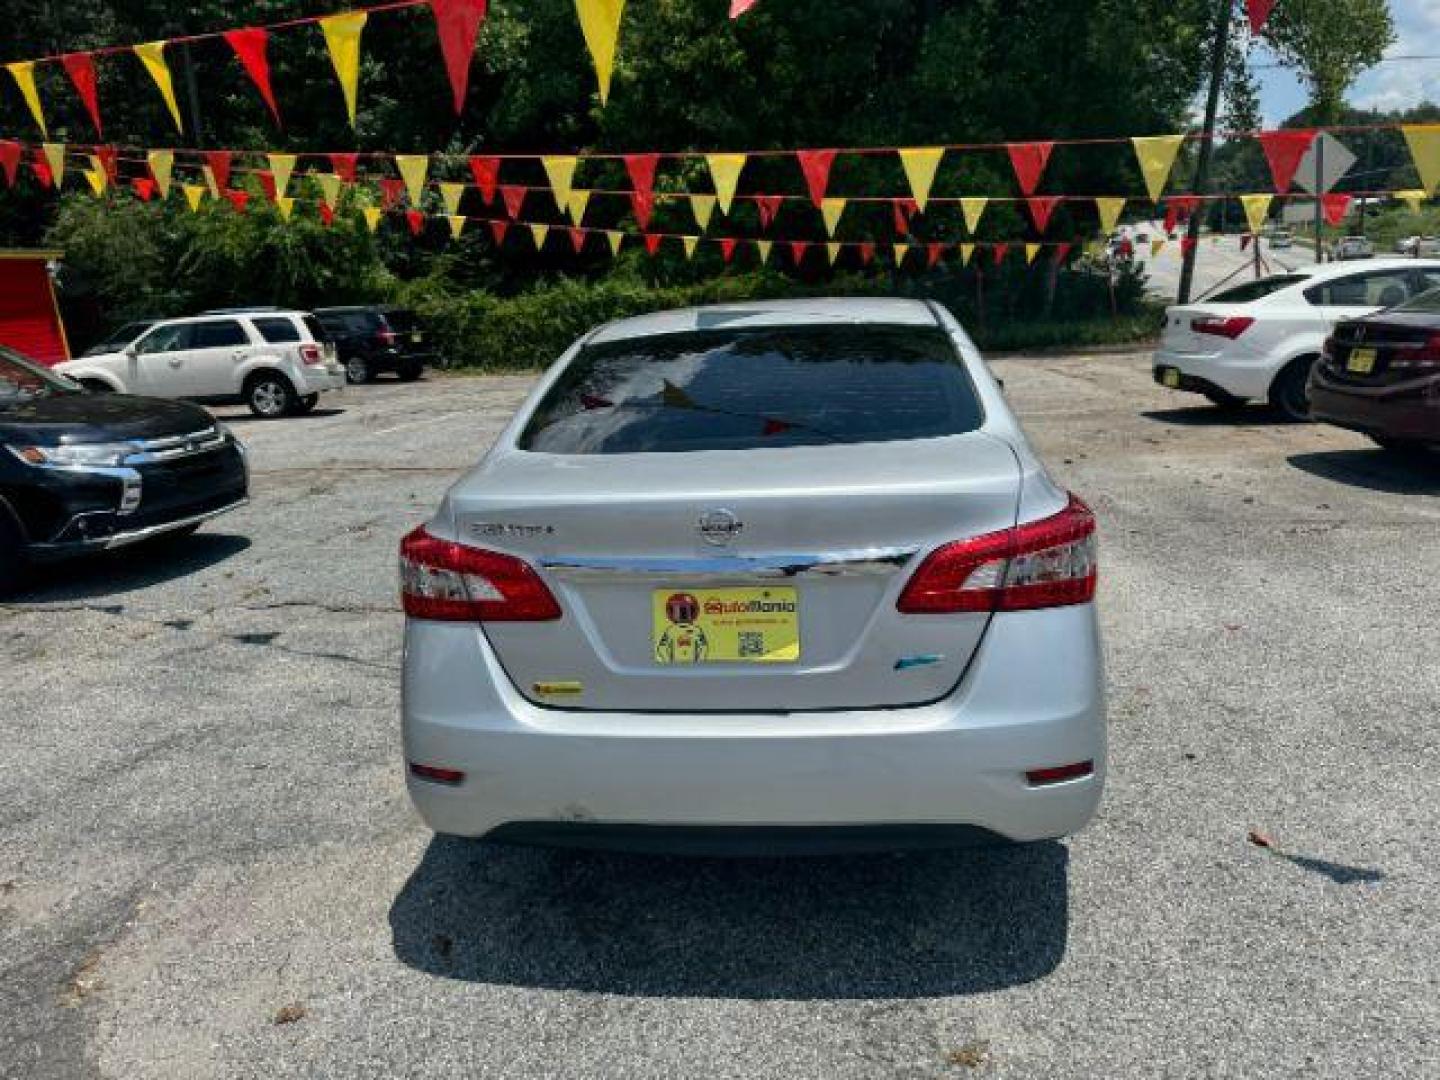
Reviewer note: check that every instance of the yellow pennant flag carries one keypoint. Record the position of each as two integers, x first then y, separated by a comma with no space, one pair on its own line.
615,239
372,216
832,210
414,168
764,246
600,23
967,252
1109,211
457,225
1256,208
450,195
1413,198
1156,246
194,195
152,55
725,170
921,164
24,76
329,188
55,158
1424,142
703,207
162,163
576,204
561,173
342,38
972,209
1156,154
282,166
901,250
1031,250
97,176
285,206
689,243
210,182
834,251
538,234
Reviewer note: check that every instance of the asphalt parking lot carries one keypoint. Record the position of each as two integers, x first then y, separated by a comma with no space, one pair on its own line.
208,865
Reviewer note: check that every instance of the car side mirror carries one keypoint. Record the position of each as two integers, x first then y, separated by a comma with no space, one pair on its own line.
131,351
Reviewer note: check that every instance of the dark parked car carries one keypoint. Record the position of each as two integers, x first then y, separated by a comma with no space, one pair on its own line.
372,340
1380,375
83,472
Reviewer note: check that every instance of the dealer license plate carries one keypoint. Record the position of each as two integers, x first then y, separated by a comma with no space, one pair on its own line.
725,626
1171,377
1362,361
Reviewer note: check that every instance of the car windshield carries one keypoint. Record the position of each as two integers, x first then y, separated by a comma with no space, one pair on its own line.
1427,303
120,338
1255,290
21,380
751,389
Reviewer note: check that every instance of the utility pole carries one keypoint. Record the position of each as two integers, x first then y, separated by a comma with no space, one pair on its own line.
1207,144
1320,199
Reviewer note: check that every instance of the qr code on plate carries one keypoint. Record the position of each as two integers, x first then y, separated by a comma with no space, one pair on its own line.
752,643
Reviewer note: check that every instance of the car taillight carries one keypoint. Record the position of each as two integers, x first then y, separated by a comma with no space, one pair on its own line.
312,354
1049,563
1328,351
449,582
385,337
1427,356
1221,326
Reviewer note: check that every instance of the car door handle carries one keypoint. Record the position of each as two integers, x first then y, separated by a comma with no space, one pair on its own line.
176,361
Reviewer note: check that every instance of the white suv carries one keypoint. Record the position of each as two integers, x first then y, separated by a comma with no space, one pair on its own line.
277,362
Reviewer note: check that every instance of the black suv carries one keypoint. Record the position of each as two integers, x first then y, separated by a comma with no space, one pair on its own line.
371,340
83,472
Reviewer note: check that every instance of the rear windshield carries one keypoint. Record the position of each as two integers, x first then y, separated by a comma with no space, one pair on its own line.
1427,303
401,320
748,389
277,330
1256,290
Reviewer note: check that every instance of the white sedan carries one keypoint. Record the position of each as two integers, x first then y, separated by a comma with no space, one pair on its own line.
1260,339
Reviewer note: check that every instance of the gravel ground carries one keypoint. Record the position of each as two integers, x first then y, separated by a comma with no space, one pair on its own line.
208,866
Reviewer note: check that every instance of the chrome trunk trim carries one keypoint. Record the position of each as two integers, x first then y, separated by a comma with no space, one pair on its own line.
879,562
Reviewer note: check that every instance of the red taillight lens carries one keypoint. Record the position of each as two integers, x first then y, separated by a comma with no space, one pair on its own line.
1427,356
385,337
1221,326
449,582
1059,774
1048,563
436,775
311,354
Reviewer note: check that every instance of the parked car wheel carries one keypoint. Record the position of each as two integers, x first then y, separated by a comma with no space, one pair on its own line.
307,404
410,372
12,554
1290,394
270,395
357,370
1221,400
95,386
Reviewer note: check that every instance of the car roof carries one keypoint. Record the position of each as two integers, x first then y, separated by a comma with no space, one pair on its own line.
1334,270
230,313
821,311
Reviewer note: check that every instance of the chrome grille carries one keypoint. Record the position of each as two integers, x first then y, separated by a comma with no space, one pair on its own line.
174,447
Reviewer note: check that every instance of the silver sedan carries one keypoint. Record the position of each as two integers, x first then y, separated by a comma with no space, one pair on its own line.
765,577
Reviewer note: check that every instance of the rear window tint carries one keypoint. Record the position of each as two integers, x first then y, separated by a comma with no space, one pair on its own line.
1255,290
317,330
277,330
217,335
749,389
1427,303
402,320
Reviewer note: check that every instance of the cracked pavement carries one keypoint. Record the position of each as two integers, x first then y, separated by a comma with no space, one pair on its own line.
203,820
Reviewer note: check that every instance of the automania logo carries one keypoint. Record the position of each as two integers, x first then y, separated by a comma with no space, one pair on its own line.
749,607
719,527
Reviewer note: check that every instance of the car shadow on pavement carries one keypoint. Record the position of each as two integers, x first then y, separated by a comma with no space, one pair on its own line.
931,924
1377,470
1211,416
128,569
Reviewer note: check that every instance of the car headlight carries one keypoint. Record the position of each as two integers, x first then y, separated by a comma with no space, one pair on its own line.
74,455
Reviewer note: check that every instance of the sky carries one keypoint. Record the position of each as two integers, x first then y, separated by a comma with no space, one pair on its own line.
1397,85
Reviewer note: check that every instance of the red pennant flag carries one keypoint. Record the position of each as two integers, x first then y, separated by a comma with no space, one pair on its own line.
798,249
1245,241
392,190
144,187
416,220
652,242
1029,160
739,7
904,210
498,229
41,168
769,206
641,168
81,69
815,164
1187,244
250,47
486,171
1284,150
238,199
514,197
727,249
933,252
458,23
867,253
327,216
1172,218
999,251
643,204
1259,12
1062,251
1184,205
1041,207
10,154
344,166
109,159
577,238
1335,207
219,162
267,183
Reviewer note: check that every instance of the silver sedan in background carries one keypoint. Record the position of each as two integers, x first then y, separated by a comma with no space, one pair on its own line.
764,577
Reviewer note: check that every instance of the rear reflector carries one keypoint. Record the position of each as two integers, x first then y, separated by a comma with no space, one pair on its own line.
1059,774
435,774
1221,326
1043,564
448,582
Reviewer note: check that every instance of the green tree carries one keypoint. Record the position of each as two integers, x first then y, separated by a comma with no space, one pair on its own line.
1328,44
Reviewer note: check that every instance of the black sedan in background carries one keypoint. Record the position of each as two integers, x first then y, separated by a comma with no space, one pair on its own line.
83,472
372,340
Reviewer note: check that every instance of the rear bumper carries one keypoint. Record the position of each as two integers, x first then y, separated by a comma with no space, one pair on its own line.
1409,411
1032,698
1236,374
320,379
